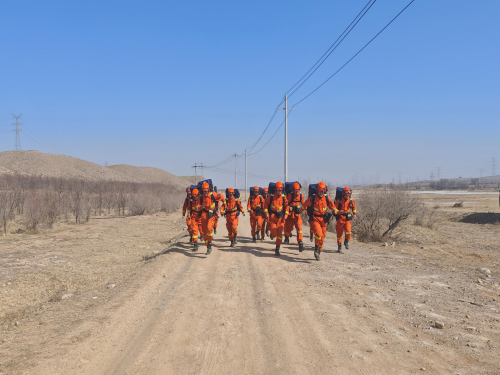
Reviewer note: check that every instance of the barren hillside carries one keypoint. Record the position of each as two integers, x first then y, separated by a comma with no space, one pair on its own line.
53,165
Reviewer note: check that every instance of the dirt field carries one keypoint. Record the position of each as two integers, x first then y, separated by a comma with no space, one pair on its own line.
241,310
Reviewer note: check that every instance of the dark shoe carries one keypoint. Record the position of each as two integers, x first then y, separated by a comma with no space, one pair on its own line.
277,251
311,237
268,233
301,246
258,236
195,247
190,239
346,243
232,243
316,252
287,240
254,240
339,250
209,248
215,230
235,239
262,238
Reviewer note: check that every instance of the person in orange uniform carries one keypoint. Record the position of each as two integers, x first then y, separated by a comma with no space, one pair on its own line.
276,209
320,203
256,208
230,209
295,202
207,216
265,222
347,212
194,216
184,209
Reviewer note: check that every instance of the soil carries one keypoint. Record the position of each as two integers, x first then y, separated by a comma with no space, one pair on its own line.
374,309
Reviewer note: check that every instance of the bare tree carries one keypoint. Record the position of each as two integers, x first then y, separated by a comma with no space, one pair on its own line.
9,200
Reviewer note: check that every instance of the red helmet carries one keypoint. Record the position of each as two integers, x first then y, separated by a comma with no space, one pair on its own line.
321,187
266,190
195,192
188,190
205,186
296,186
279,186
255,188
230,190
347,191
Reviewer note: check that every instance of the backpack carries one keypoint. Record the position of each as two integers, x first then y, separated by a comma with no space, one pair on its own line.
271,188
338,197
312,193
200,185
289,187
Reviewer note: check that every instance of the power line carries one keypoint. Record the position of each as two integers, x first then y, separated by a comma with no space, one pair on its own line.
357,53
345,36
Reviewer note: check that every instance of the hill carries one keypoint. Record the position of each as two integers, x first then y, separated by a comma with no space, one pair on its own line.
54,165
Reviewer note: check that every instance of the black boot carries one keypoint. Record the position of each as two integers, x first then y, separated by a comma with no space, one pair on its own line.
215,230
254,240
339,250
235,239
232,243
277,251
287,240
190,239
301,246
195,247
316,252
346,243
311,237
258,235
209,248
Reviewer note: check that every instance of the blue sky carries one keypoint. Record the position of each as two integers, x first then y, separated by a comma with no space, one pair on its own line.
167,84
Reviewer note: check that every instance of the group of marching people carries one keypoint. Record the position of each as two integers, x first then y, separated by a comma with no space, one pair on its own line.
271,212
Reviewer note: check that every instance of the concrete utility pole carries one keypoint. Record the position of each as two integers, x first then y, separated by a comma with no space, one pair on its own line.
196,166
17,130
235,166
246,183
286,136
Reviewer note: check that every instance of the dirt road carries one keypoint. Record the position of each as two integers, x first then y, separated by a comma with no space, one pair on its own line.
243,310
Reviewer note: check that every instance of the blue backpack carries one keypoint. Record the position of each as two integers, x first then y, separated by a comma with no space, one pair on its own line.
289,187
200,185
272,188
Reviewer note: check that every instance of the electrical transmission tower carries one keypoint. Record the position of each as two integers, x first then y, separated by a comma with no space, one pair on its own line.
17,130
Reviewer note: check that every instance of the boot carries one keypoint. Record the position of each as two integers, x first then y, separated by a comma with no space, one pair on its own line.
258,236
195,247
346,243
277,251
254,240
268,233
232,243
209,248
301,246
287,240
262,237
316,252
339,248
311,237
215,230
190,239
235,239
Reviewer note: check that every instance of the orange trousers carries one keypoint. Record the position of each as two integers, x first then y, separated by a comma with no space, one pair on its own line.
196,227
343,225
276,226
188,222
256,223
318,226
216,220
294,220
232,225
207,225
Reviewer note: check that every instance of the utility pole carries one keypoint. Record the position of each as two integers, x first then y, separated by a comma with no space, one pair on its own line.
235,175
246,183
196,166
17,130
432,176
286,136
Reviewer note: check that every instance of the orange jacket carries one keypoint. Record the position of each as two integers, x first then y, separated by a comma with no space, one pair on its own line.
185,205
231,206
205,203
255,203
275,203
295,203
320,206
346,205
